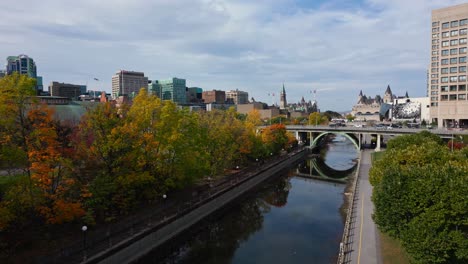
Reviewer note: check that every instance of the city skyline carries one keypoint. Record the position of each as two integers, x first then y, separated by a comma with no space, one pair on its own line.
328,46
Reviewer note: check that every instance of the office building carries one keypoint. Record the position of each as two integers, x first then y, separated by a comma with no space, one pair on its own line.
215,96
154,88
23,64
68,90
448,66
237,97
194,95
173,89
128,83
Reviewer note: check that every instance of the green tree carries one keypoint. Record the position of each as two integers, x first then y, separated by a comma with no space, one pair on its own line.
316,118
420,198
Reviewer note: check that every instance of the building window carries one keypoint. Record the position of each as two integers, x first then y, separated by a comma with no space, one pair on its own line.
453,51
462,97
462,22
453,88
454,42
444,97
434,93
434,47
462,50
445,25
454,23
454,33
462,59
444,70
463,31
444,80
445,52
434,75
435,64
434,81
435,52
435,35
435,30
444,62
462,69
435,24
444,88
445,34
435,58
461,78
435,41
433,87
453,61
462,87
452,97
462,41
453,78
453,69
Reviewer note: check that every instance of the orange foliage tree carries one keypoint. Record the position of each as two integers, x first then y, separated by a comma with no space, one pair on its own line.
56,193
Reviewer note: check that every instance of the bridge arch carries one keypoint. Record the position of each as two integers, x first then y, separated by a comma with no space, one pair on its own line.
349,136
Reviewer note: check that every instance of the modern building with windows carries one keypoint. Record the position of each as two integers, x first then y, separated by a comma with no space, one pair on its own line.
23,64
128,83
154,88
173,89
237,97
448,72
72,91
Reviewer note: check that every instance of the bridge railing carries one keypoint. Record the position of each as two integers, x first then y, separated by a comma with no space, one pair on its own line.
345,245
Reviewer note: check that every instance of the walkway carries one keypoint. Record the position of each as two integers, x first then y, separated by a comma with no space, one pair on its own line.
365,248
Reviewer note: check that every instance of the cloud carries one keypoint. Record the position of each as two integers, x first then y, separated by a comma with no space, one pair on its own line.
336,47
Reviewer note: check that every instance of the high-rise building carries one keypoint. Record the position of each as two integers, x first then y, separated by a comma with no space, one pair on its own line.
155,88
448,68
237,97
215,96
128,83
283,102
173,89
71,91
23,64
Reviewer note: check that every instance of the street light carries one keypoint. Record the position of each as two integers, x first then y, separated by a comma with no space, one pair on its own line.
84,228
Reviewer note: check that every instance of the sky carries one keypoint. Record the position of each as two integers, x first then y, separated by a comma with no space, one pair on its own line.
336,48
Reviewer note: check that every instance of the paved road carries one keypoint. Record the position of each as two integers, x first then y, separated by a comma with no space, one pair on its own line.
366,241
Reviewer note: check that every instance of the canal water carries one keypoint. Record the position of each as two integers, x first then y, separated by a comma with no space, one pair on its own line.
289,219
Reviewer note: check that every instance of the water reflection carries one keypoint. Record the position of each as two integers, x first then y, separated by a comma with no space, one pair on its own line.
288,220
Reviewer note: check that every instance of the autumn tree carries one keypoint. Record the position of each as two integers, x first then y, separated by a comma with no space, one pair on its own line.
58,198
316,118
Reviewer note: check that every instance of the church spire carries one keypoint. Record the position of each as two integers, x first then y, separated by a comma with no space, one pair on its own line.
283,102
388,91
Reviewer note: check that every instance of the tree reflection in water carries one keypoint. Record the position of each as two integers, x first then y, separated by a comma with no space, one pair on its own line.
218,238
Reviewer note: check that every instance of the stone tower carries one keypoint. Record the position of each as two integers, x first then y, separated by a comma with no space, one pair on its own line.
283,102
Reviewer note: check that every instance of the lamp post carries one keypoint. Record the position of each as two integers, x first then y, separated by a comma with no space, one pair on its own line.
84,229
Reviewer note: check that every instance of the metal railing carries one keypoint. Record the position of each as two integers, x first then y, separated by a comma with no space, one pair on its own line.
135,227
345,244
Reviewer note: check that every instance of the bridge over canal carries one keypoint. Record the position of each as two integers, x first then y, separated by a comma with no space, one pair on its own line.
313,134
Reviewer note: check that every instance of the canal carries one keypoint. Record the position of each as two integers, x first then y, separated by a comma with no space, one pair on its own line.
293,218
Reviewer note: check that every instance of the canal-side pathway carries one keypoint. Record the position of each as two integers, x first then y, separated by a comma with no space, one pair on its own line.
365,246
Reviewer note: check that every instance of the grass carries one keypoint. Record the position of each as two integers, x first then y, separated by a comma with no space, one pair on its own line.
392,251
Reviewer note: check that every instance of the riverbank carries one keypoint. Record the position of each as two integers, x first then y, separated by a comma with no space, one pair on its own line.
137,246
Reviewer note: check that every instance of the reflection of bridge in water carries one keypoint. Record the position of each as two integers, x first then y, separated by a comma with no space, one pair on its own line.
316,168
